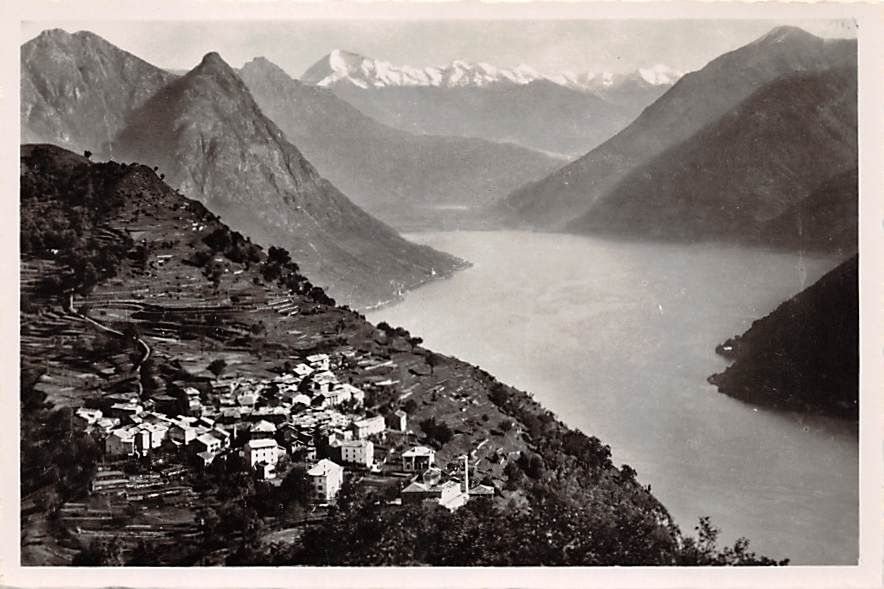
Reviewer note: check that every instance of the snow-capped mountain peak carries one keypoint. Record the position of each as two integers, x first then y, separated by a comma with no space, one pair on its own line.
347,67
659,75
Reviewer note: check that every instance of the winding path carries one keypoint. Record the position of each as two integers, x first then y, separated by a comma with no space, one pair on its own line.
146,350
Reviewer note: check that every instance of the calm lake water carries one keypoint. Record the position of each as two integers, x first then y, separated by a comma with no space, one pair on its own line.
617,338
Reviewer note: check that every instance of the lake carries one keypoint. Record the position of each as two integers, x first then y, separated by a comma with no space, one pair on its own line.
617,338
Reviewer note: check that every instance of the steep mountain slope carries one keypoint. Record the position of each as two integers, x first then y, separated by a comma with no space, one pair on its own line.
77,89
805,354
391,173
696,100
206,132
743,170
633,91
825,220
115,262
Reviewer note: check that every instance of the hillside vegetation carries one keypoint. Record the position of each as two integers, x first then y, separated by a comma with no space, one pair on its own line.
169,277
805,354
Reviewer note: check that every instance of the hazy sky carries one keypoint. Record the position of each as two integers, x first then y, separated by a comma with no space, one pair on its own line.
578,45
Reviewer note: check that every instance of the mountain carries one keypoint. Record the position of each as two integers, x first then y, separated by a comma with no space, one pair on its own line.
805,355
743,171
77,90
826,220
205,131
131,292
474,100
396,175
633,91
342,67
695,101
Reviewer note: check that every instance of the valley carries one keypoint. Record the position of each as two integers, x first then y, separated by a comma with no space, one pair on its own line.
439,315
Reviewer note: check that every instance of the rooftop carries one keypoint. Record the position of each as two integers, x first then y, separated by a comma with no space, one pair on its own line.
256,444
324,467
419,451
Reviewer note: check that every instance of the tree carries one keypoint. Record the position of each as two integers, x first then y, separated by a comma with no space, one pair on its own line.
433,360
87,154
217,367
100,553
296,486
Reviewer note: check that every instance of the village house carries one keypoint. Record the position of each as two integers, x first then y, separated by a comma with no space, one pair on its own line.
120,442
263,451
323,382
124,410
357,452
302,370
207,443
326,479
182,433
482,492
418,459
301,399
158,432
448,494
397,421
85,417
262,430
104,425
369,426
319,362
356,393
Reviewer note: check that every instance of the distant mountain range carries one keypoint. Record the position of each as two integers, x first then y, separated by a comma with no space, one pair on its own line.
346,67
565,113
397,175
722,154
805,354
207,134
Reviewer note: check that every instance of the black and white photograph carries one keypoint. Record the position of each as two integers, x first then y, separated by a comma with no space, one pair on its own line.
440,292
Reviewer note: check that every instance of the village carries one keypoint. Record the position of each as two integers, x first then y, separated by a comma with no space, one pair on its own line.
304,416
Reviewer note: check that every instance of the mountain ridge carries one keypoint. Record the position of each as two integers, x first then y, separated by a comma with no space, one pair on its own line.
697,99
719,185
61,101
348,67
804,355
207,133
394,174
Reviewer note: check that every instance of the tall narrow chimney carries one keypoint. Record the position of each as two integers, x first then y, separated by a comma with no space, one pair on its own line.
466,474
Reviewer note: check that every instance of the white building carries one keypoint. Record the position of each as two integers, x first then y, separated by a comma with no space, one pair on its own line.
323,382
418,459
319,361
355,393
359,452
263,429
303,370
84,417
208,443
261,451
326,479
369,426
183,433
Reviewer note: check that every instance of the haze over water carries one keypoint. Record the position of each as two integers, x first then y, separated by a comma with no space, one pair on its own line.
618,338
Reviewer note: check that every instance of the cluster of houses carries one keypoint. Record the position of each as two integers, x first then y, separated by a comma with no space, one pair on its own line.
305,413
